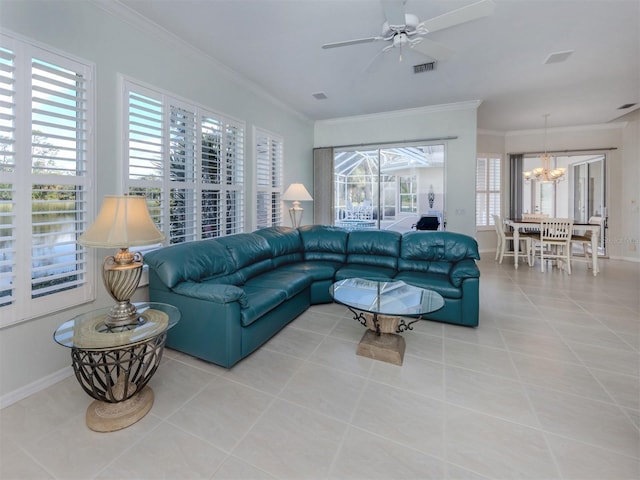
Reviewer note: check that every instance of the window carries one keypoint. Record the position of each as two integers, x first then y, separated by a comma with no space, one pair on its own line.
46,167
188,162
408,194
268,179
487,190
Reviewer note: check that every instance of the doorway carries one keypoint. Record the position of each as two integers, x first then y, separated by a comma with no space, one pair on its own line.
580,195
388,188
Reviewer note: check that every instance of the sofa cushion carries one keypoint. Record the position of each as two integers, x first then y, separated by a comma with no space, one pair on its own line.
250,252
289,281
285,243
368,272
315,270
438,246
380,248
218,293
324,243
193,261
431,281
260,300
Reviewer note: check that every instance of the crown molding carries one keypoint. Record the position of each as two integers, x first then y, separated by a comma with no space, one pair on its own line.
407,112
141,23
570,129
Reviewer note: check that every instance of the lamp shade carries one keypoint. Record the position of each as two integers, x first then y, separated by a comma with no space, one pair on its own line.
296,191
123,221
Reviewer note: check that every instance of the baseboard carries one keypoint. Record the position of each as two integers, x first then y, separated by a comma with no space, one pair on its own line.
626,259
34,387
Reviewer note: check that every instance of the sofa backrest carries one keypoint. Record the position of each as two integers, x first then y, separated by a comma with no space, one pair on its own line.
251,255
324,243
436,252
379,248
285,244
192,261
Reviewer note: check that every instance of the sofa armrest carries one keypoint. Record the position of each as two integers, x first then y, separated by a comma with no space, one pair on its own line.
466,268
219,293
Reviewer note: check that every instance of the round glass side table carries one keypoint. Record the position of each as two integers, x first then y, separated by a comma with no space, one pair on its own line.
114,364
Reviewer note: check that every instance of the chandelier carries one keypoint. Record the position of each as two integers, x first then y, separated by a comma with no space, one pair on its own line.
545,173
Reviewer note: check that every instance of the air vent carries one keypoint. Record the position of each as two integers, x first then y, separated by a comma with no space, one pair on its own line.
626,105
424,67
558,57
319,96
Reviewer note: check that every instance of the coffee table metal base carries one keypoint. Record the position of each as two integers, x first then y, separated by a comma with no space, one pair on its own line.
386,347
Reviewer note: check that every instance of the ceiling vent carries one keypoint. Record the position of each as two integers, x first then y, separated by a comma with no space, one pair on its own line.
424,67
558,57
319,96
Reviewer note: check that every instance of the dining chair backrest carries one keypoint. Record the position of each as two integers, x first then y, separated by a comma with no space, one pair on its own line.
556,229
499,224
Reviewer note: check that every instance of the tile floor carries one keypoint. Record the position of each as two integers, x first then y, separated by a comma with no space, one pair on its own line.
547,387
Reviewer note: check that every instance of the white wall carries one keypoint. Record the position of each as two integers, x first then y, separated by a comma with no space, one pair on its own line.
29,358
455,120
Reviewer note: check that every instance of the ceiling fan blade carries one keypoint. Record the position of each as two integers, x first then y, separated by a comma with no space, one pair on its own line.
352,42
432,49
394,12
471,12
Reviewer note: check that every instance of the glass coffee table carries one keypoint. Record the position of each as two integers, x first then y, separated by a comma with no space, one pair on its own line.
383,307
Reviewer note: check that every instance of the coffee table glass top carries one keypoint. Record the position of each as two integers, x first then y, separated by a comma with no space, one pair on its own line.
88,330
386,298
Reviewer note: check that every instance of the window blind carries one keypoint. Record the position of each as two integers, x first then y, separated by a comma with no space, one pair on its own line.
268,179
188,162
488,188
46,117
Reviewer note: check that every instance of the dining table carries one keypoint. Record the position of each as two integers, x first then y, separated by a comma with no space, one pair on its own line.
522,224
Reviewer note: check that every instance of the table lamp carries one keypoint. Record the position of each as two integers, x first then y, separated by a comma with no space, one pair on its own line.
123,222
296,193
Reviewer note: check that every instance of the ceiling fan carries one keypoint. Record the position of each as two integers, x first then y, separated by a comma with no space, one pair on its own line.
406,30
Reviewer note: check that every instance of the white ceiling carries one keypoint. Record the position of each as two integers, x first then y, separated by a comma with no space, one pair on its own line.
498,59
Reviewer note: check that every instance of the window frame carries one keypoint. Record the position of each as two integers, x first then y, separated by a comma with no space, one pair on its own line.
486,190
30,87
274,189
230,188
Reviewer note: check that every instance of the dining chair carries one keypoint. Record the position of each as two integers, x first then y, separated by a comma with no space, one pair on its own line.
554,242
584,238
505,237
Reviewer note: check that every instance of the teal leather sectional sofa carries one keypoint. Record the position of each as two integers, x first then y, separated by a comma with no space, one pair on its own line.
236,292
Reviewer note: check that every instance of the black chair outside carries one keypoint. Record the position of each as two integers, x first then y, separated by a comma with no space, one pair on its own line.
427,222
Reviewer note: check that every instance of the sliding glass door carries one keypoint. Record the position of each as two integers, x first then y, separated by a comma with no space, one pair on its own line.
388,188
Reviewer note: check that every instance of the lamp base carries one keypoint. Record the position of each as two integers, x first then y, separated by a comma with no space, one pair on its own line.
121,314
121,275
295,213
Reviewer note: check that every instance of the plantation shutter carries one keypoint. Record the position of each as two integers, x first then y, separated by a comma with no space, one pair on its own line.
145,151
234,178
488,185
268,180
187,162
7,177
211,195
46,116
182,175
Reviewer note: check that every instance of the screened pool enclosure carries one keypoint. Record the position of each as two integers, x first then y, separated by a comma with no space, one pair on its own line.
388,188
